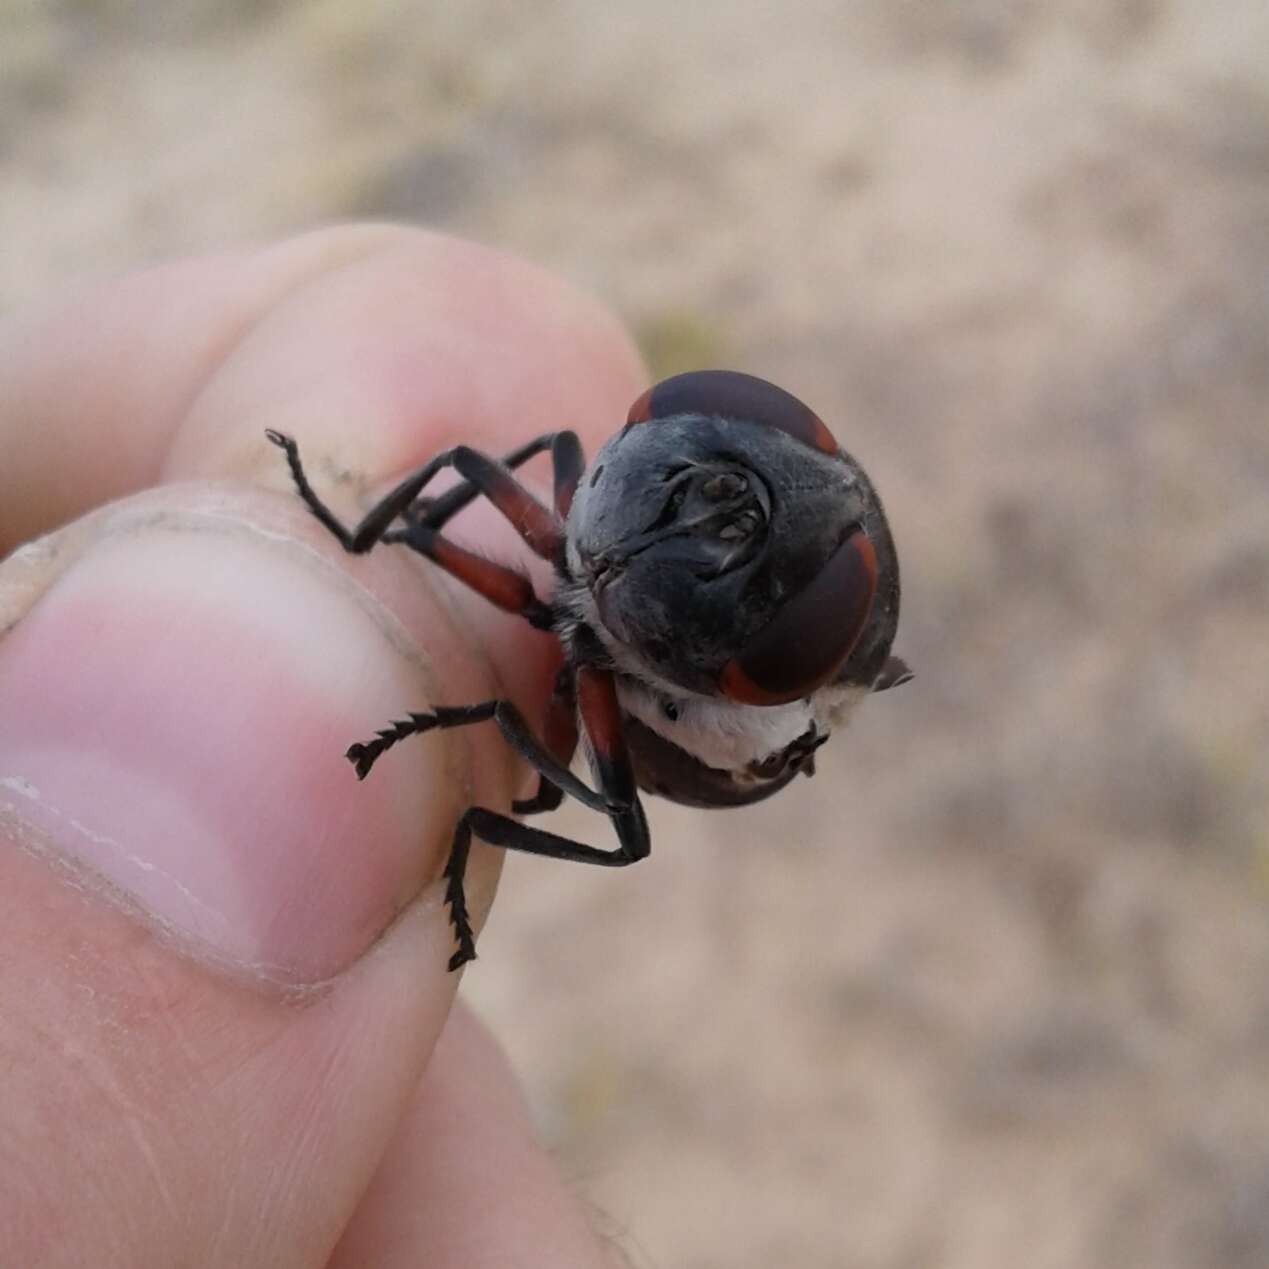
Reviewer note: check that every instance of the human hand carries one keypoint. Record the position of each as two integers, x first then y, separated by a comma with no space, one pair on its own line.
228,1035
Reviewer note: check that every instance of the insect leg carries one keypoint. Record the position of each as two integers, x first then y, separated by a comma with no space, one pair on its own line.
615,797
600,715
501,830
560,734
567,464
539,526
566,459
515,731
504,587
375,523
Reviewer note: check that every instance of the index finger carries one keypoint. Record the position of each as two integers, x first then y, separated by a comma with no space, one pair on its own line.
377,344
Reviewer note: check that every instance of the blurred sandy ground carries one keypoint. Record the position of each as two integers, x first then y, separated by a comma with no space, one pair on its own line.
994,989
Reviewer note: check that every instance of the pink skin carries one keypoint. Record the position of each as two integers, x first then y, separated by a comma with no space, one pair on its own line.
94,732
181,844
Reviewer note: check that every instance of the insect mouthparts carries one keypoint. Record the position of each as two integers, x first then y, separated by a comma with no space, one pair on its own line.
602,569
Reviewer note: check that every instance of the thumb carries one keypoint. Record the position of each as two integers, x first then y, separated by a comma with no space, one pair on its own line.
213,1010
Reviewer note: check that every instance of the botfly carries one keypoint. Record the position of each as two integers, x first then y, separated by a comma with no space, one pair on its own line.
726,592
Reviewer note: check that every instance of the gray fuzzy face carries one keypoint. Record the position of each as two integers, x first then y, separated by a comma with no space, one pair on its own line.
692,532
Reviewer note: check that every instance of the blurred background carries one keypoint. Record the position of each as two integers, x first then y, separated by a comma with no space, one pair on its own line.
992,989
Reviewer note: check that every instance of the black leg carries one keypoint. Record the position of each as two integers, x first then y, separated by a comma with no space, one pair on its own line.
515,731
547,798
421,517
376,521
615,796
437,512
539,526
567,464
501,830
560,733
600,713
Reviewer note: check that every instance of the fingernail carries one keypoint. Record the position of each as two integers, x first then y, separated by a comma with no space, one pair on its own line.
173,714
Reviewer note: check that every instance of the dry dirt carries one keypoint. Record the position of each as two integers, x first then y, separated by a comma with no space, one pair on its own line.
991,990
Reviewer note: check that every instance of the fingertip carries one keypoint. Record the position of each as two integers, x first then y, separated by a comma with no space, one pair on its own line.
377,341
420,342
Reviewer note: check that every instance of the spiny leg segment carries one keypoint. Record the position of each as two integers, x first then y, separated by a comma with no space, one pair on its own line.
615,796
421,518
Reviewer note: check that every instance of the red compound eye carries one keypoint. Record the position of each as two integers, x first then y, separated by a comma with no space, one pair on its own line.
805,643
732,395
